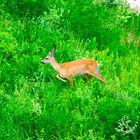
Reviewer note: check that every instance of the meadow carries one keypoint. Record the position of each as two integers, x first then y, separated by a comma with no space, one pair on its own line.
34,104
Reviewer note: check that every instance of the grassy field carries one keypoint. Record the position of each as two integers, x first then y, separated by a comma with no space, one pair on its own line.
34,104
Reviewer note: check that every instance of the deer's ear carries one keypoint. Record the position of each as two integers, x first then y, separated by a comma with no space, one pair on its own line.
52,51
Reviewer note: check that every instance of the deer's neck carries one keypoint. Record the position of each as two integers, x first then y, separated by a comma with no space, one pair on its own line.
56,65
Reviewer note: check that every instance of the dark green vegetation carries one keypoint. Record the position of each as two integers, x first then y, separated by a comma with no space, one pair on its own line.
36,105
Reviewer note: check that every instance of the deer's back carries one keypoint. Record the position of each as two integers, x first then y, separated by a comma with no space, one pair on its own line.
76,67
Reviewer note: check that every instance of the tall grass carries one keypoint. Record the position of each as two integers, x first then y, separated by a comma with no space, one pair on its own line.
36,105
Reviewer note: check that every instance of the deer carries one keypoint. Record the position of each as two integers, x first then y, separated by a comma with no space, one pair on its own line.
69,70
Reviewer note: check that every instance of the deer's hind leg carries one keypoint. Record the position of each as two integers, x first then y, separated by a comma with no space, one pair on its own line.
95,73
100,78
86,76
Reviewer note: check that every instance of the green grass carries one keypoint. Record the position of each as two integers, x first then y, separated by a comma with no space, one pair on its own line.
34,104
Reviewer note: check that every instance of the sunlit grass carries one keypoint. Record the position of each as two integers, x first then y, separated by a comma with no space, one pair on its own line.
36,105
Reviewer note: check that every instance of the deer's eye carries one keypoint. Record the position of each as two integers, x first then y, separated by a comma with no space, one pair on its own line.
46,58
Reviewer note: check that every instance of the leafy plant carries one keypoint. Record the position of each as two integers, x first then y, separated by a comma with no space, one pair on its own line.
36,105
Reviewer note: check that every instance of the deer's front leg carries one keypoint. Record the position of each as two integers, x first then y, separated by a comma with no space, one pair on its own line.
71,82
57,76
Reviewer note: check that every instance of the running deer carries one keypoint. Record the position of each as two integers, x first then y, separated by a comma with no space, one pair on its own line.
70,69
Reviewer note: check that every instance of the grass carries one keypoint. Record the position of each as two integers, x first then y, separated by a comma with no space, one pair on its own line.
35,104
